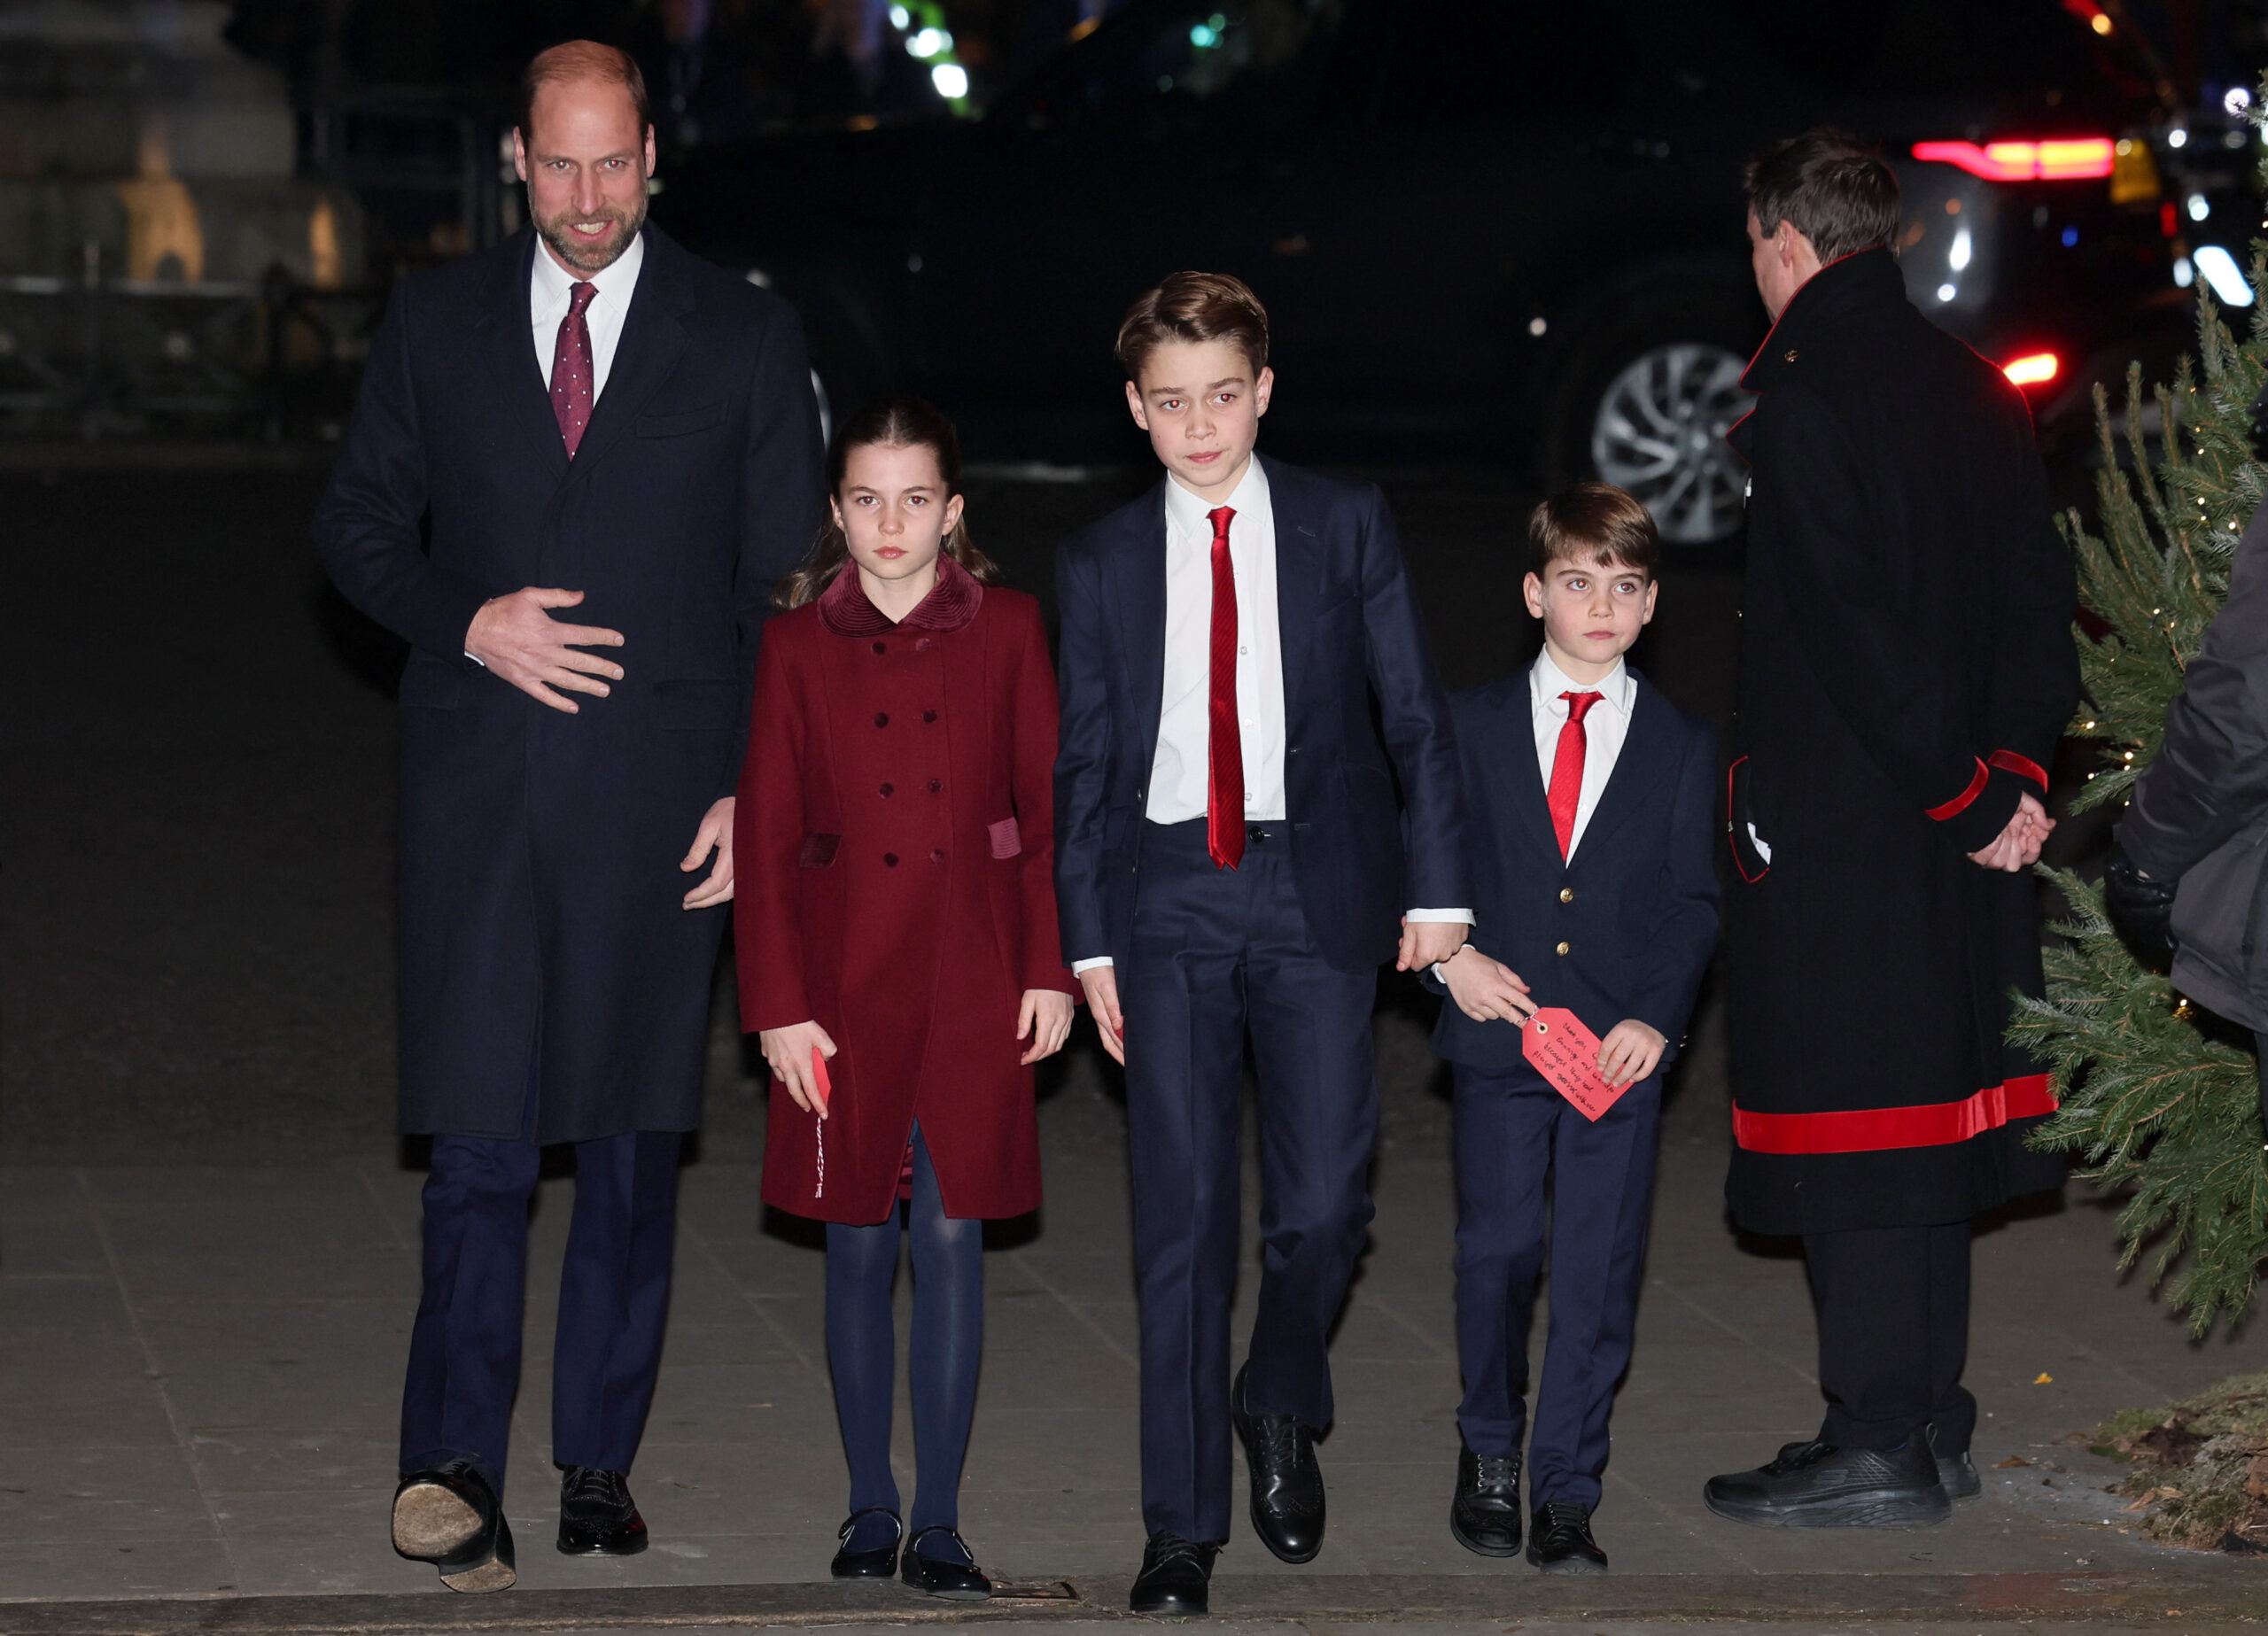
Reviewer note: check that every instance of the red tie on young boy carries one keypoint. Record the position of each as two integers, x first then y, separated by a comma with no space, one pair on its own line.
1224,748
1566,791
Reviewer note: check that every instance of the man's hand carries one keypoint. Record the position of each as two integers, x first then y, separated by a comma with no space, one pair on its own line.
2140,907
1486,989
787,1053
1102,984
1629,1051
1046,1020
2017,847
515,637
1426,942
714,835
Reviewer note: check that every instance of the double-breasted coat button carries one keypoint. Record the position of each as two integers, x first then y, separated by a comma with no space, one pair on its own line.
881,719
881,648
889,861
921,645
929,715
935,785
888,790
1566,893
936,855
1563,948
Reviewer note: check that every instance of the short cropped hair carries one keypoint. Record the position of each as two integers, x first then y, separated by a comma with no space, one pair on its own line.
582,62
1596,523
1833,189
1194,306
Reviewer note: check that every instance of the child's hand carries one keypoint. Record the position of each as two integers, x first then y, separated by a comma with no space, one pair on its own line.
1046,1020
1629,1051
1101,985
787,1053
1485,989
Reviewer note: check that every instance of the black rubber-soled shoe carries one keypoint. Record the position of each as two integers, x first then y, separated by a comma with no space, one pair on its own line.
879,1563
1485,1516
449,1516
1288,1504
1816,1485
596,1515
954,1579
1957,1472
1559,1540
1176,1580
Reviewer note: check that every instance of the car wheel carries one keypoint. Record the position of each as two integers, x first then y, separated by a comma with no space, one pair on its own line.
1658,429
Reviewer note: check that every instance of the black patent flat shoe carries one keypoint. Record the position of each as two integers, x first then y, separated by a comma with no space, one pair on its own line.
942,1576
879,1563
597,1517
449,1516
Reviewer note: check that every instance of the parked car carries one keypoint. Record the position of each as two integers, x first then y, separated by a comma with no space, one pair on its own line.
1482,227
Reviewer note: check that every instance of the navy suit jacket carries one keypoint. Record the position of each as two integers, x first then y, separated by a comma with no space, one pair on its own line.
1635,910
1352,637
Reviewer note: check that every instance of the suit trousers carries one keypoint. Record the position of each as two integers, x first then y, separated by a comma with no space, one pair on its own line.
1216,952
1893,1334
1511,1130
614,1292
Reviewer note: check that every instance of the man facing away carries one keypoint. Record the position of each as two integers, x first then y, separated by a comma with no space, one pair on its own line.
1230,858
584,417
1907,667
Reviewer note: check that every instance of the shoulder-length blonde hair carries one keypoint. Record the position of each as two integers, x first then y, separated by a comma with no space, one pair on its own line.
900,422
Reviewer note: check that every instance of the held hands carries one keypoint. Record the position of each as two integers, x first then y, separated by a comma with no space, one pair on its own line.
515,637
1428,942
1102,984
1486,989
2016,847
1046,1020
1629,1051
714,835
787,1053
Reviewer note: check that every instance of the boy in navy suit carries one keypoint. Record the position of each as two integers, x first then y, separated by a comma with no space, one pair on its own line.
1590,798
1244,678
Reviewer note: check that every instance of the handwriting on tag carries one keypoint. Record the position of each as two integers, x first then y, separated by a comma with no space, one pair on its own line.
1560,1047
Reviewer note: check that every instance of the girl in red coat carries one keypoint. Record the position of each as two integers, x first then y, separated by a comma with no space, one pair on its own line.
898,946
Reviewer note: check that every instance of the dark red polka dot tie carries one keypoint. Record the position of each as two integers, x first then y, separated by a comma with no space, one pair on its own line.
572,378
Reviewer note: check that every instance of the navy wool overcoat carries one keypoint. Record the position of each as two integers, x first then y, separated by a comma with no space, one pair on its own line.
544,948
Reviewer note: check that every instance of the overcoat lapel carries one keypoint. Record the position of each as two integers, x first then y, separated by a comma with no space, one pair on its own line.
1138,578
1299,577
653,338
1640,766
503,338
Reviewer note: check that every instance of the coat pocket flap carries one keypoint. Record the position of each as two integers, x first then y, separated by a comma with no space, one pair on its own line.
1007,840
818,851
678,425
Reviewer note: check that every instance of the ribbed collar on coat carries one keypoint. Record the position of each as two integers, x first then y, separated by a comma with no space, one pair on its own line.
844,608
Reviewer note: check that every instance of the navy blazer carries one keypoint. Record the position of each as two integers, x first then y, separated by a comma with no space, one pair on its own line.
1626,928
1352,634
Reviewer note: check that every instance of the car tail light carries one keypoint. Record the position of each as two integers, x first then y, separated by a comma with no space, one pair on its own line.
2061,159
2033,370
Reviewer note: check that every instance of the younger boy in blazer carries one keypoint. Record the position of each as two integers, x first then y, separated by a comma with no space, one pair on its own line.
1590,797
1244,678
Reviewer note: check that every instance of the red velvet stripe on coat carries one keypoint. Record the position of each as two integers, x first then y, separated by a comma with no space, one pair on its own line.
2023,766
1958,804
1867,1130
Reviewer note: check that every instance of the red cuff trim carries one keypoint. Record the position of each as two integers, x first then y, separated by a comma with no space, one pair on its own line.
1933,1124
1732,840
2023,766
1958,804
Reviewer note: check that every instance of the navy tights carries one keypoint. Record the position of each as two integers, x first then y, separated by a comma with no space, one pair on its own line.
948,1341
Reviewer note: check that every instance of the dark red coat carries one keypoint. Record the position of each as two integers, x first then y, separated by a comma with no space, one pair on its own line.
894,856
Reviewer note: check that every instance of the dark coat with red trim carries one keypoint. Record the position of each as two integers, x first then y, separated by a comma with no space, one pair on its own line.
894,853
1907,667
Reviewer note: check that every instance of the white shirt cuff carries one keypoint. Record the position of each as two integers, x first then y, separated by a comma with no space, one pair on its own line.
1088,965
1435,916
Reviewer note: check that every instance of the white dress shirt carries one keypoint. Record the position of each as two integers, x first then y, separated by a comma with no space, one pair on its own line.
1606,724
550,287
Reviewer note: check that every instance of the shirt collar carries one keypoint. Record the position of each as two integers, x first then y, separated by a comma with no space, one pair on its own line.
1189,512
549,283
1547,681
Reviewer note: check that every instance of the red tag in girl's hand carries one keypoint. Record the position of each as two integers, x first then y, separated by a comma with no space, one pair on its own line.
1560,1047
822,1087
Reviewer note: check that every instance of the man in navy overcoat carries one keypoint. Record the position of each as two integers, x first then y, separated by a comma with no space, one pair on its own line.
584,417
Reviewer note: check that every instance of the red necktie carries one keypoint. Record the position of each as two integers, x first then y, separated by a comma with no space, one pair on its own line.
1566,791
572,377
1224,748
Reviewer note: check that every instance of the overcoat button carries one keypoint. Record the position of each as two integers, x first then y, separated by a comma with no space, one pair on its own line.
888,790
1563,948
935,785
881,719
881,648
1566,894
921,645
936,855
929,715
889,861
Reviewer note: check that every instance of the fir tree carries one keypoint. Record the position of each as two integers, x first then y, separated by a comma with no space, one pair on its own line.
2156,1109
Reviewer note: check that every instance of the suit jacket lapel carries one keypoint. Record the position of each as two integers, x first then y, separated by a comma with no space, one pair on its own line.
653,336
1299,577
1516,765
1139,579
504,338
1637,769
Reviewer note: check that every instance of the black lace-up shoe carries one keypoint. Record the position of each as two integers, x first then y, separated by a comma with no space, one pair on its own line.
1286,1482
1485,1517
948,1571
879,1563
449,1516
1559,1540
1176,1580
1818,1485
596,1515
1957,1472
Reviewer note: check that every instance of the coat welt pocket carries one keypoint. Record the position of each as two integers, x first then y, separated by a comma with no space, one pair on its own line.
699,704
818,851
678,425
1007,840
